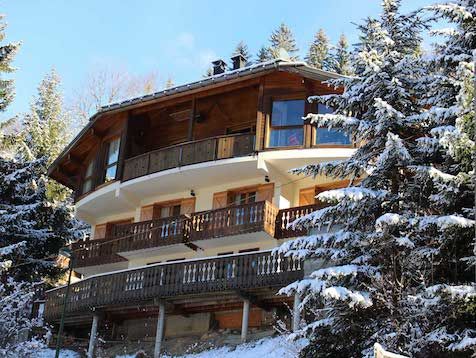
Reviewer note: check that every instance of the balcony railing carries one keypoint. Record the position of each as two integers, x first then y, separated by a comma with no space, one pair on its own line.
218,274
236,145
230,221
233,220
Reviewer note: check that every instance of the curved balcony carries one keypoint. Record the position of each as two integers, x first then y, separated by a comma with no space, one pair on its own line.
215,148
168,280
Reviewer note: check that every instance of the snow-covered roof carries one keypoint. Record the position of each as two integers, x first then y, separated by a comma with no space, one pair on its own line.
276,64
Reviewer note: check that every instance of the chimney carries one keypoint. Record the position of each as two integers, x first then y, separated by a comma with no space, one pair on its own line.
238,61
219,66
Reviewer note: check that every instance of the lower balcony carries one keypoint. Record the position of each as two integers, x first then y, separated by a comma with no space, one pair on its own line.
206,229
246,273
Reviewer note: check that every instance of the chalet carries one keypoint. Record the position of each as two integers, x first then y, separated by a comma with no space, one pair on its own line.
188,191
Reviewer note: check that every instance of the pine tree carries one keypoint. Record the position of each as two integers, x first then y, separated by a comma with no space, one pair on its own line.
395,258
283,38
46,129
27,215
318,54
242,49
263,55
341,62
7,53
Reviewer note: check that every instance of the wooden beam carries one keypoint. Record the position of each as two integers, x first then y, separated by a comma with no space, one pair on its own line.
123,148
192,119
253,299
260,118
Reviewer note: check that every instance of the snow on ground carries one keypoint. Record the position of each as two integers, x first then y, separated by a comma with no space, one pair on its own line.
50,353
279,347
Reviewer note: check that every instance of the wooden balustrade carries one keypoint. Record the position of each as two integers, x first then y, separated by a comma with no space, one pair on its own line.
233,220
229,221
204,150
218,274
287,216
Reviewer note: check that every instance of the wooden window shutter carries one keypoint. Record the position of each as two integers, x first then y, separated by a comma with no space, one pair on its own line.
307,196
100,231
265,192
187,206
220,200
149,212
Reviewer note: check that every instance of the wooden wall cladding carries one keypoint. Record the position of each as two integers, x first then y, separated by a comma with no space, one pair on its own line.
232,320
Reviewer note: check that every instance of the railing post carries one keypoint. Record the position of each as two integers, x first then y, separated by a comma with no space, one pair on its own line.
244,321
92,337
296,312
160,329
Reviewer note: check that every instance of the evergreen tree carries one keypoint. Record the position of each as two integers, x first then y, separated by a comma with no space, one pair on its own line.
395,258
263,54
7,53
242,49
283,38
341,62
318,54
28,216
46,129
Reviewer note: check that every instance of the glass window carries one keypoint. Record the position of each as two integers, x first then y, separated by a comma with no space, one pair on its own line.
329,136
112,159
287,123
88,178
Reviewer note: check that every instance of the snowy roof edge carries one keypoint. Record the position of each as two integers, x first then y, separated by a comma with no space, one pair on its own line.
277,64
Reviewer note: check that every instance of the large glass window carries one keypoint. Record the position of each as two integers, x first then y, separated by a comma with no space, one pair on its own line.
88,178
329,136
112,159
287,124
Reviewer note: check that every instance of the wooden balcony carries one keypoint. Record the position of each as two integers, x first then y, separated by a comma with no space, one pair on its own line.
229,222
168,280
215,148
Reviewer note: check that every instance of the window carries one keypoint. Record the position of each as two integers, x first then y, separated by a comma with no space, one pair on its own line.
88,178
332,136
287,123
244,198
112,158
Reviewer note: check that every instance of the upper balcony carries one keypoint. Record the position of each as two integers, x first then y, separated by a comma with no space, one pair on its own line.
218,124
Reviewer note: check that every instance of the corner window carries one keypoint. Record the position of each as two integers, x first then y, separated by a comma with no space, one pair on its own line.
327,136
88,178
287,124
112,158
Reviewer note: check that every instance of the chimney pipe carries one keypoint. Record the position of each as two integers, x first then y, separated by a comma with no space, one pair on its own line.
238,61
219,66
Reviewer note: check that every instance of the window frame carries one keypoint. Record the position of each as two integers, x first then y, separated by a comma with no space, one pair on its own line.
92,163
314,142
270,127
106,166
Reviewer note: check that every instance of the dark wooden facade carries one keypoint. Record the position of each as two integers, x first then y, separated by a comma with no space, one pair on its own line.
213,123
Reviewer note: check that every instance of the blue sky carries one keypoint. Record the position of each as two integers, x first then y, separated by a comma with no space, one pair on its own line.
175,39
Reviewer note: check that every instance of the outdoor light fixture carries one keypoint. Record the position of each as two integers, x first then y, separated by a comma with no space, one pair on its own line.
266,179
192,193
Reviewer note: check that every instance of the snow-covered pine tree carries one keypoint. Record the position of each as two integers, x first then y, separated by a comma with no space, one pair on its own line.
393,267
318,54
242,49
27,215
16,320
283,38
341,62
7,53
263,54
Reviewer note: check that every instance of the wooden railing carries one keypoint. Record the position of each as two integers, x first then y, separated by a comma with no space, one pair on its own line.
286,216
130,237
236,145
229,221
233,220
127,287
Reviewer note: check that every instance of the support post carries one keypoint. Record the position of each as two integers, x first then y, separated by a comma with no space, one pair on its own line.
160,329
93,336
296,312
244,322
